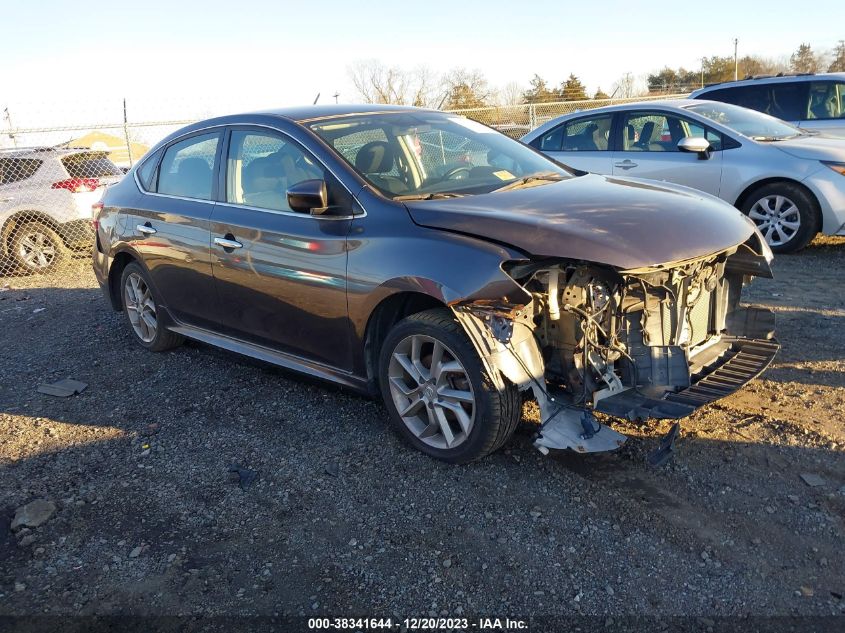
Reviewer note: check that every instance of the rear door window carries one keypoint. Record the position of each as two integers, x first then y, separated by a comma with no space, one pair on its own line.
90,165
187,167
587,135
17,169
785,101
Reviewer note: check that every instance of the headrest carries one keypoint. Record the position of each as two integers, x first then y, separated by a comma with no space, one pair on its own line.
374,158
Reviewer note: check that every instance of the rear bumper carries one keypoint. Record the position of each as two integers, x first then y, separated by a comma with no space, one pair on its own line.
739,357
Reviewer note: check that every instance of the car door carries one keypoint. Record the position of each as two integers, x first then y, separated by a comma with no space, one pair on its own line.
649,149
280,274
582,143
169,225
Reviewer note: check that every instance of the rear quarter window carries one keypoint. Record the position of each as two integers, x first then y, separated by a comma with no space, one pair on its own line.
90,165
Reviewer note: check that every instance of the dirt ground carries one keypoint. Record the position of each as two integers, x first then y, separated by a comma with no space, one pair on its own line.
343,519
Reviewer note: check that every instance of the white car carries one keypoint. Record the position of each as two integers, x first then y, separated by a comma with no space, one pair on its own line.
46,195
812,102
791,183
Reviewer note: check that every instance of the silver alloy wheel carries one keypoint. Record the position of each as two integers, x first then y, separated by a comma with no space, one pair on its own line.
777,217
36,250
140,307
432,391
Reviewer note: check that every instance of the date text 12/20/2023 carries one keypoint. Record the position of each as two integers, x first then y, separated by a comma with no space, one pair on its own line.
418,624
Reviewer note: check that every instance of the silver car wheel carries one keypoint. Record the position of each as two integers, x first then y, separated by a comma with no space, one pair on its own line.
777,217
140,307
36,250
432,391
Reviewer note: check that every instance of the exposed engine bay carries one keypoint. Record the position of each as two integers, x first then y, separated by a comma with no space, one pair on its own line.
653,342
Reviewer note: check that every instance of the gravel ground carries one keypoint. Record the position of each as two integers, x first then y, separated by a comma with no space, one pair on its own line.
343,519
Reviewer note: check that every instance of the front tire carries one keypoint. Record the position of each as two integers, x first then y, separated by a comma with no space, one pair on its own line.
438,394
786,215
141,309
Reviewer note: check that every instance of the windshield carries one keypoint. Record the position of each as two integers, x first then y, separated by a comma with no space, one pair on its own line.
428,154
750,123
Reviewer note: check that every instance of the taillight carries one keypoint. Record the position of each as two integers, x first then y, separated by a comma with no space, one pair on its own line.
77,185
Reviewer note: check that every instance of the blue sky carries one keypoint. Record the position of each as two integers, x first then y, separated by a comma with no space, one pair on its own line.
193,57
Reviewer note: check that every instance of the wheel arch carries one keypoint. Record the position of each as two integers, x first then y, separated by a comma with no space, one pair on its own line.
386,314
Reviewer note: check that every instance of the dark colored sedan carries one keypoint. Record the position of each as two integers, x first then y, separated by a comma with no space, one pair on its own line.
431,259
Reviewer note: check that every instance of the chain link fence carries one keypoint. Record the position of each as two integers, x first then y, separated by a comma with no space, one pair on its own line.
52,175
518,120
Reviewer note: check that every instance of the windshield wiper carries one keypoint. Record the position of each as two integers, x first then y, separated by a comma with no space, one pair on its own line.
521,182
428,196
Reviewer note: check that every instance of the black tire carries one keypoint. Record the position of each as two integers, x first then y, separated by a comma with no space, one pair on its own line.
807,213
37,248
497,413
163,338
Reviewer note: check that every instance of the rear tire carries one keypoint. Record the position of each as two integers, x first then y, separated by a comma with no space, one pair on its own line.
785,213
140,305
451,409
37,248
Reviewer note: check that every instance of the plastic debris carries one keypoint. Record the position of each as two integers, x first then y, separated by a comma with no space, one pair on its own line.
63,388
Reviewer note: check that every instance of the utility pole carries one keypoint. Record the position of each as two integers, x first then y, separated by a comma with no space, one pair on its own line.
336,95
736,61
7,115
702,72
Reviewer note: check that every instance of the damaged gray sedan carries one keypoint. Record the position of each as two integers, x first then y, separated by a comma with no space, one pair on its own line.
428,258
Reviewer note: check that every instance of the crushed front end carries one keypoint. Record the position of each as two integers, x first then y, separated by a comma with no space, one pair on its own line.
653,342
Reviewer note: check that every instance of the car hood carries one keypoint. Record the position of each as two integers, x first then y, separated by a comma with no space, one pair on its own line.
626,223
814,147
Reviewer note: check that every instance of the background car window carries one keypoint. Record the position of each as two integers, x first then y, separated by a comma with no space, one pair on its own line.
587,135
90,165
551,141
657,132
825,100
261,167
187,168
785,101
696,130
17,169
650,132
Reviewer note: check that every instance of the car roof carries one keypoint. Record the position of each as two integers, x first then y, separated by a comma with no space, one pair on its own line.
767,79
45,152
312,112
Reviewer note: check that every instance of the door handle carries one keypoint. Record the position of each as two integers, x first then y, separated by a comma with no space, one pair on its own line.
225,242
625,164
146,229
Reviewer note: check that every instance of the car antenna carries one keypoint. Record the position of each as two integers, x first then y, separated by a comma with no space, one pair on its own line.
316,99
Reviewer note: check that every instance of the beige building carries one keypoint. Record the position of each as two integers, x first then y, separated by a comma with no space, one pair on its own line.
113,144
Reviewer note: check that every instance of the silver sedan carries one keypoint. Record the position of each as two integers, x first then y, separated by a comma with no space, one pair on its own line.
789,181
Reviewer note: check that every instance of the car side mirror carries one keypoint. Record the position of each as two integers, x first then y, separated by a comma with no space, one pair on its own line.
308,196
695,145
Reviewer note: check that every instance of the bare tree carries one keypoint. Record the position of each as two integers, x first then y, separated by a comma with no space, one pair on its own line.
510,94
464,88
624,87
377,83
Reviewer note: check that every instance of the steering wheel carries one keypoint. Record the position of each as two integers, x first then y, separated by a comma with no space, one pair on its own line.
452,174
